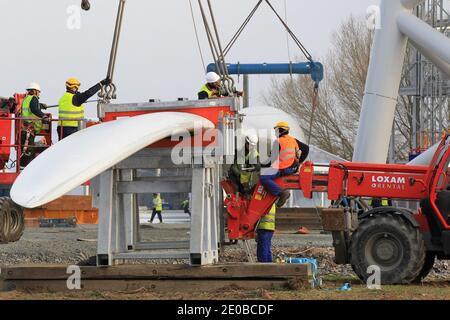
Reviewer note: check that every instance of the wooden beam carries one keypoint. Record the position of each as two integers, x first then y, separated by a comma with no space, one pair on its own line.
222,271
129,286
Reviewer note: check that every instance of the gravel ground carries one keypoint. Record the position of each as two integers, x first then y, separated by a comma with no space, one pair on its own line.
63,246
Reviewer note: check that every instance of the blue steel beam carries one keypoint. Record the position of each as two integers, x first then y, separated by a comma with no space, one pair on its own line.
315,69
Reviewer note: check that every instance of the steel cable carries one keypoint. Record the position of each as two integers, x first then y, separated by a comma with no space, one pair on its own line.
196,36
241,28
291,33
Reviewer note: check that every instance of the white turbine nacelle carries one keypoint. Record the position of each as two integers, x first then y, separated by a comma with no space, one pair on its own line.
397,25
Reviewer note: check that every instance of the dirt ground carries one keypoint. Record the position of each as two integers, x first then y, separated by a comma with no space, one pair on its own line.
76,245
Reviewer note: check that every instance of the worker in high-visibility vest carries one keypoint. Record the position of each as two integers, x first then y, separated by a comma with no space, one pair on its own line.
185,206
287,155
245,175
71,105
32,110
212,88
265,230
157,207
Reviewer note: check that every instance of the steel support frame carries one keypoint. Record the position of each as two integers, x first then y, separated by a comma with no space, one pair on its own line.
115,194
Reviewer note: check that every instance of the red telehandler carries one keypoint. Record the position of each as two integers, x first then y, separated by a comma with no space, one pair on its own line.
12,221
402,243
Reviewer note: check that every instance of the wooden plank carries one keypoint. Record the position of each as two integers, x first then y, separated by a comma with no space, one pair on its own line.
223,271
293,218
299,210
334,220
150,285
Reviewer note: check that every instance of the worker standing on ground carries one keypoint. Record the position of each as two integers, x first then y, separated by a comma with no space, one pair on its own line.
71,105
246,175
157,207
287,155
31,109
185,207
212,88
265,231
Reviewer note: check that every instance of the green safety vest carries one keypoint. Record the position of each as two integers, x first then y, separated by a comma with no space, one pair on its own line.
157,203
207,90
26,113
268,221
68,111
246,176
185,204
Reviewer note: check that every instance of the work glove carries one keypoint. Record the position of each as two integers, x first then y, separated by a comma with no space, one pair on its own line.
43,106
105,82
46,118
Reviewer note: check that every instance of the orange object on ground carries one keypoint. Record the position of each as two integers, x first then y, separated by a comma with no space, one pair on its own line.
66,207
302,230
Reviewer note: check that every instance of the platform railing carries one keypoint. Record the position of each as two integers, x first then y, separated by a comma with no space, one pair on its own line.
46,133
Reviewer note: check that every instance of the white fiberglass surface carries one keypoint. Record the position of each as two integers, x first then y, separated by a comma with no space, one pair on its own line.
85,154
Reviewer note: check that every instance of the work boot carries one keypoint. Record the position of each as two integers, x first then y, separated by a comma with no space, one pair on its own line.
284,196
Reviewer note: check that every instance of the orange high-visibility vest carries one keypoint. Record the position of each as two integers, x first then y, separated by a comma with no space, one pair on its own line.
288,152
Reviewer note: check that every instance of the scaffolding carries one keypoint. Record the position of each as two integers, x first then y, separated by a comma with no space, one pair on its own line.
425,86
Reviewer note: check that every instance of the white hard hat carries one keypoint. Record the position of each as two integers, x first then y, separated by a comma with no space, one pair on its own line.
34,86
252,139
212,77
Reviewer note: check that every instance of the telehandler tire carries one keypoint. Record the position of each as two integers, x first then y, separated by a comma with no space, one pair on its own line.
390,242
4,220
17,222
430,258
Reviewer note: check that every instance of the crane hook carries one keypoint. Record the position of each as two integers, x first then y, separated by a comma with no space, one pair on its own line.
85,5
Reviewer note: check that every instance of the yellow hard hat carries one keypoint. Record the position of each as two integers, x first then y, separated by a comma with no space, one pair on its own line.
282,125
73,83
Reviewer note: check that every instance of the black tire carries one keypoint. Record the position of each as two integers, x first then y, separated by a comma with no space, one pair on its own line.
390,242
4,219
17,222
430,258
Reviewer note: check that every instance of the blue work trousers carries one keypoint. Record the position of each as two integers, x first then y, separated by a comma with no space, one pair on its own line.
264,246
268,182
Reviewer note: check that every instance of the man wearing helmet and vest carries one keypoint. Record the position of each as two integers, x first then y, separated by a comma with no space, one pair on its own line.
71,105
31,109
265,230
244,174
287,155
211,90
